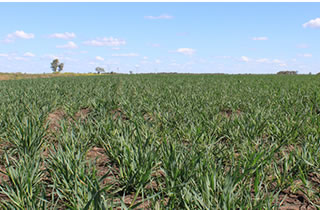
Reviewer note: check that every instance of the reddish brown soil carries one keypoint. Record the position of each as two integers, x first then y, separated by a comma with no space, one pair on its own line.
97,154
3,177
82,114
4,77
294,201
103,164
315,178
58,115
54,119
129,201
118,113
229,113
298,199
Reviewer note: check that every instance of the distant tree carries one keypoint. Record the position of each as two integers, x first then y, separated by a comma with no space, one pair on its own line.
54,65
61,65
130,72
100,70
287,72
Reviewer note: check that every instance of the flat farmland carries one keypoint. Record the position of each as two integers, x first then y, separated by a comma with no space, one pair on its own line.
160,142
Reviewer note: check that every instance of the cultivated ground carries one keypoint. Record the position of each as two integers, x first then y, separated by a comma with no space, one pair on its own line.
160,142
17,76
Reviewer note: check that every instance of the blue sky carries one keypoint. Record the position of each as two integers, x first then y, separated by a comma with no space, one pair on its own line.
161,37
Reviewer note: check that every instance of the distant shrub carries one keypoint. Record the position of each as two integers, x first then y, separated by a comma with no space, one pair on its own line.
288,72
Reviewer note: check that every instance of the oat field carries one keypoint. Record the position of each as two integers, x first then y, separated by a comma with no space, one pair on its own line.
160,142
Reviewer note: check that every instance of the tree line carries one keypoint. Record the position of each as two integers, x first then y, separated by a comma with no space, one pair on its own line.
57,67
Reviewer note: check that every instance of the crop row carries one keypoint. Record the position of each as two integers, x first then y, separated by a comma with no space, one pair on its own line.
160,142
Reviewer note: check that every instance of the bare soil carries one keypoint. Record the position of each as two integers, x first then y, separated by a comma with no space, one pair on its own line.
118,113
298,199
294,201
103,164
82,114
54,119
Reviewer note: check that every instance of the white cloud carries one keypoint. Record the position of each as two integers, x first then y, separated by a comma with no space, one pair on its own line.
157,61
302,66
155,45
69,45
65,35
70,59
99,58
18,58
274,61
145,62
186,51
145,57
201,60
21,34
126,55
3,55
306,55
303,46
174,64
261,38
245,58
109,42
223,57
315,23
29,54
190,63
282,64
60,57
262,60
18,34
279,62
163,16
51,56
93,63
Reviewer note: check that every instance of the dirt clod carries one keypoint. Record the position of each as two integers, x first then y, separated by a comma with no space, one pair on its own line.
294,201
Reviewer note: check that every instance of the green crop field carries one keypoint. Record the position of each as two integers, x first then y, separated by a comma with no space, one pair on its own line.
160,142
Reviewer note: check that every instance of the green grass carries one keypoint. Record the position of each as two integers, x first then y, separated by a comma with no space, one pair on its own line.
172,142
